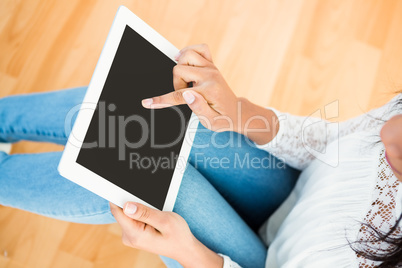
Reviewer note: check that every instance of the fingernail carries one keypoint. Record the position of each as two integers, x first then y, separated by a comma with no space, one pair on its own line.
177,56
188,97
147,102
130,208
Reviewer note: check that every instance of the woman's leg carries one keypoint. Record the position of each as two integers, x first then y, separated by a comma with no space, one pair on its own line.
39,116
215,223
42,116
253,182
31,182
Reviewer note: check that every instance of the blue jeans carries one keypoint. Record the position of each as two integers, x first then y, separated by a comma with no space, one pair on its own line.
228,190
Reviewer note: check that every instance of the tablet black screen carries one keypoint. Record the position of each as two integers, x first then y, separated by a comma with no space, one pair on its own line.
121,144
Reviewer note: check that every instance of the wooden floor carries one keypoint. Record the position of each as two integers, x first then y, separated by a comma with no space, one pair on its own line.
296,55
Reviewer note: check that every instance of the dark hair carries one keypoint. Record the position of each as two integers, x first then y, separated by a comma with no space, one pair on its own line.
389,256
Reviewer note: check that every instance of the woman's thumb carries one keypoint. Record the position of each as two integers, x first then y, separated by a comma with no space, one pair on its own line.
198,104
189,97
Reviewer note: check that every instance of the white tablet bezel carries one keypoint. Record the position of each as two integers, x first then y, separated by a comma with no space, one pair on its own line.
69,168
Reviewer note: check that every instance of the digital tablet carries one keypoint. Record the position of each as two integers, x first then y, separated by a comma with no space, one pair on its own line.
118,149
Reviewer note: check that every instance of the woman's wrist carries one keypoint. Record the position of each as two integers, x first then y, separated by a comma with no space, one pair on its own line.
200,256
257,123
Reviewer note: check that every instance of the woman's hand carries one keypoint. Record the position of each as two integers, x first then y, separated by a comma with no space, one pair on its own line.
212,100
163,233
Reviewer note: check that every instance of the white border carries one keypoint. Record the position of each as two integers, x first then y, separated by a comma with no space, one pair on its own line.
68,167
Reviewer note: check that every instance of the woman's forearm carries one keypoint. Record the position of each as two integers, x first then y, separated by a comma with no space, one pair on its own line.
259,124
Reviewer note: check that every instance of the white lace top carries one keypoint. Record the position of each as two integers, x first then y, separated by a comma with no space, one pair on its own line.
345,182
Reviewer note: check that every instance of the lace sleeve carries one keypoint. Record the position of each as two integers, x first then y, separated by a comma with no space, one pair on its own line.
300,139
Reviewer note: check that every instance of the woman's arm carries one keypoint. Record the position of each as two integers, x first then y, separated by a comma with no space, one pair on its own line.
296,140
218,108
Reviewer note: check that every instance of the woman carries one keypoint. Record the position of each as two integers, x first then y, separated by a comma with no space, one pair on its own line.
219,208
